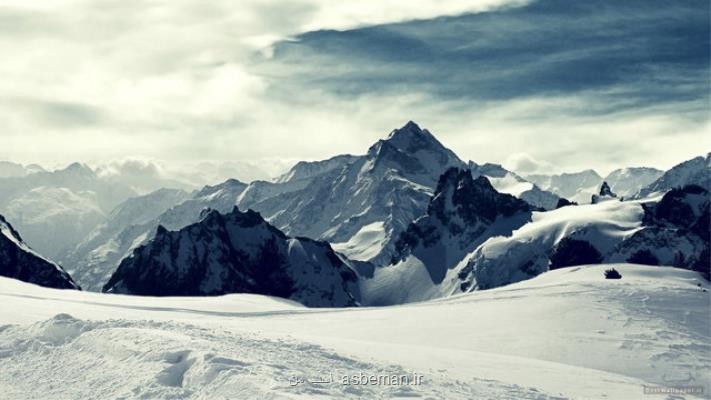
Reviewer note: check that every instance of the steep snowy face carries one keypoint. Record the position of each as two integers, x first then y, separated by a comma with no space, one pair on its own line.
696,171
577,186
460,213
96,259
505,181
628,181
305,170
458,196
258,193
236,253
415,153
18,261
360,204
674,231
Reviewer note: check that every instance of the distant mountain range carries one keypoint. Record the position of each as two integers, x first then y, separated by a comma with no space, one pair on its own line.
135,221
408,220
580,186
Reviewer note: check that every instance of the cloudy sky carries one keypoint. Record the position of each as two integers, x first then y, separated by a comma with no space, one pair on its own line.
536,85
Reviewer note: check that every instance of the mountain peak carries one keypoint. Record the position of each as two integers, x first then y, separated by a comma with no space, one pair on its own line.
605,190
409,133
77,169
415,150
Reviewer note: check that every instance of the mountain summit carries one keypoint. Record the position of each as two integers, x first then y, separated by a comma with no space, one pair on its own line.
411,138
359,203
414,152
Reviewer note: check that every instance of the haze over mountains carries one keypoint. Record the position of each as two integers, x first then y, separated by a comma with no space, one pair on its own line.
409,218
220,199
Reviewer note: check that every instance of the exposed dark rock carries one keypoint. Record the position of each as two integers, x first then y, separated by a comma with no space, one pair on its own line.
612,274
563,202
18,261
644,257
237,252
569,252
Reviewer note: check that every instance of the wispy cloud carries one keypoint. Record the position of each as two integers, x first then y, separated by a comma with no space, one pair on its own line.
584,84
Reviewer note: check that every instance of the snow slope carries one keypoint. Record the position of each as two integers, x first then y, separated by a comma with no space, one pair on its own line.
567,334
503,260
695,171
670,231
510,183
576,186
628,181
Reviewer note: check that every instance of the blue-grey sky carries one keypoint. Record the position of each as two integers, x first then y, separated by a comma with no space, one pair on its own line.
537,85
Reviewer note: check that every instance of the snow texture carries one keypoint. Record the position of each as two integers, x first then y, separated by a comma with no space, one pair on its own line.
567,334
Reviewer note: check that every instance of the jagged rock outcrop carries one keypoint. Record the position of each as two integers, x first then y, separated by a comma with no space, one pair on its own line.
676,232
463,213
238,252
605,194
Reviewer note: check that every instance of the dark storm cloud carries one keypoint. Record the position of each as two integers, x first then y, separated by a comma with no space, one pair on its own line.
637,53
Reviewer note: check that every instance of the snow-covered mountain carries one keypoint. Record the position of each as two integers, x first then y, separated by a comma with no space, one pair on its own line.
361,204
696,171
581,186
577,186
55,209
463,213
75,177
358,203
306,170
673,232
505,181
19,261
628,181
236,253
133,223
54,219
14,170
676,232
95,257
